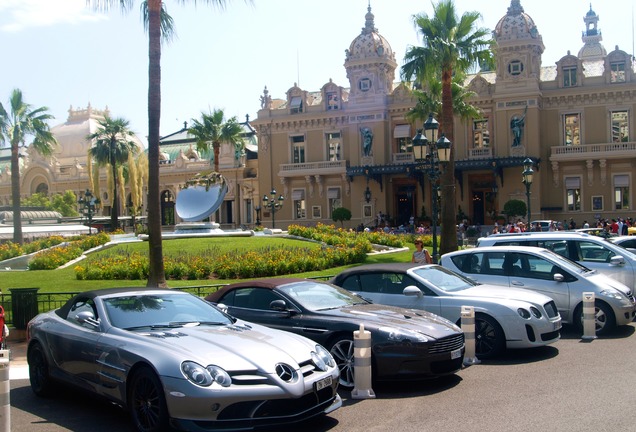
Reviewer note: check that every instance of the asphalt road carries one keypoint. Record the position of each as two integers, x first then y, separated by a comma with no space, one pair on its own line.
569,386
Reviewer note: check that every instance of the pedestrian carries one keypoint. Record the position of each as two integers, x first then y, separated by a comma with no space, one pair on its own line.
421,255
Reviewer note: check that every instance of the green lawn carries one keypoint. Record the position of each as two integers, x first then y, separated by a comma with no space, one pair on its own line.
63,280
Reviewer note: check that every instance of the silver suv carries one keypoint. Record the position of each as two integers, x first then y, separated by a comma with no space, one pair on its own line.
591,251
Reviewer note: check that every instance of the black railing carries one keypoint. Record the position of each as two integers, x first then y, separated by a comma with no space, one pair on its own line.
54,300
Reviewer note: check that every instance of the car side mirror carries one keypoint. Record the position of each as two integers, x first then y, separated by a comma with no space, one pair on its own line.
617,260
558,277
222,306
412,291
87,317
278,305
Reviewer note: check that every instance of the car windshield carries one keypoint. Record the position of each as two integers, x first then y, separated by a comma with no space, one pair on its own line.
560,258
314,295
443,279
630,250
165,310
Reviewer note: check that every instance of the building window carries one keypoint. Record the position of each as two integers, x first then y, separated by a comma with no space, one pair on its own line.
572,129
333,195
298,149
333,102
620,126
573,193
296,105
617,72
515,68
333,146
298,199
364,84
248,211
621,192
569,76
481,134
402,135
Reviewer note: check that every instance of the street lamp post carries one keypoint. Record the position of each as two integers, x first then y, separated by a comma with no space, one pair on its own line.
87,205
273,203
429,164
258,215
527,180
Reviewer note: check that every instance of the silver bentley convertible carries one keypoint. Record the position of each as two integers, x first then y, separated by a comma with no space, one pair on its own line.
173,359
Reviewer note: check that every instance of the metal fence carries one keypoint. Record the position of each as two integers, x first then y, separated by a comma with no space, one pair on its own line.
22,304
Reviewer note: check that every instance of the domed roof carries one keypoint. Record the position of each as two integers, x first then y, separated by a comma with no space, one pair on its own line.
71,135
516,24
369,44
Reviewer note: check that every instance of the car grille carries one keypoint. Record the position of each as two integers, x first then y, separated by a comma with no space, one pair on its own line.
550,336
447,344
254,377
551,309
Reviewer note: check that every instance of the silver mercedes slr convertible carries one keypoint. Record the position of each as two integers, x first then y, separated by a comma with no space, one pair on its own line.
174,360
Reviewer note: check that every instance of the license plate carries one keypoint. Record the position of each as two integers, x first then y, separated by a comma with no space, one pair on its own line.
557,325
323,383
456,354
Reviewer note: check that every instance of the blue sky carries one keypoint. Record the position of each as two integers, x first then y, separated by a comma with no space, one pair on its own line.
61,53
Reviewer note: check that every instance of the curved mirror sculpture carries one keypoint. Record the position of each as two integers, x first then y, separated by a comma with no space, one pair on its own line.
196,203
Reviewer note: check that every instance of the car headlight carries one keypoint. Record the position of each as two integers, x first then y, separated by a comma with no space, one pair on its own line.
402,335
322,358
612,294
536,312
205,376
523,313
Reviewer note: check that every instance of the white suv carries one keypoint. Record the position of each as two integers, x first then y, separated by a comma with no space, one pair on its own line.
591,251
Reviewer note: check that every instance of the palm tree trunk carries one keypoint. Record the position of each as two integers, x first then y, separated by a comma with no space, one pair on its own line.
156,276
448,241
115,209
15,193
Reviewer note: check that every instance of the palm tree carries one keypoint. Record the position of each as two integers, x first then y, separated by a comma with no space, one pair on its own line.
212,129
159,26
450,44
112,147
429,101
15,125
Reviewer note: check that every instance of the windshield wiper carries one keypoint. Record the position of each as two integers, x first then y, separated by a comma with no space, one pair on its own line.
154,326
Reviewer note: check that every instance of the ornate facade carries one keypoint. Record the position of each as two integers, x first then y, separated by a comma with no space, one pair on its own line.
351,146
67,170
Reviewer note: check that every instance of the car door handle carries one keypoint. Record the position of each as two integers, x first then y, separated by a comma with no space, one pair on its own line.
516,283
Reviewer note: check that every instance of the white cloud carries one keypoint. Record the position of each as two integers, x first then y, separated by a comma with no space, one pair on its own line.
18,15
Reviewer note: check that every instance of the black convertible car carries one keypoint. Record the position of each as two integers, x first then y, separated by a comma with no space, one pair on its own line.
406,344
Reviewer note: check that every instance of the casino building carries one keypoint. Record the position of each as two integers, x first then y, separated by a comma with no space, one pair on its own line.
575,116
350,145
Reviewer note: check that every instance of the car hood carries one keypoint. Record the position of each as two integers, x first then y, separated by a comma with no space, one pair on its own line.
234,345
502,292
602,281
376,316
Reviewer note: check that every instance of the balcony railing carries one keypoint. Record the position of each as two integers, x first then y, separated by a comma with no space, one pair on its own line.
313,168
617,150
480,153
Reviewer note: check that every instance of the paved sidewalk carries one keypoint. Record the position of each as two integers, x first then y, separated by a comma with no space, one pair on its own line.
18,367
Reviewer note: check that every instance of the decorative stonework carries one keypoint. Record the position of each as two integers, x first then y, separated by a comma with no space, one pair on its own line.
603,165
555,173
590,171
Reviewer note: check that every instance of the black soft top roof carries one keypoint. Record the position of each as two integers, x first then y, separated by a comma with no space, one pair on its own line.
89,295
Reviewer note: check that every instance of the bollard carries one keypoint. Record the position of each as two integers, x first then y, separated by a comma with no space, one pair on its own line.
468,326
362,364
5,391
589,316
